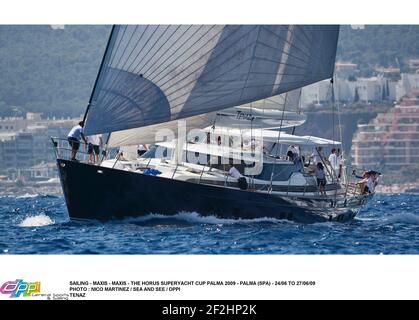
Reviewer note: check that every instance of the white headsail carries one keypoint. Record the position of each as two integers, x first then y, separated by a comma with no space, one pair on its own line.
154,74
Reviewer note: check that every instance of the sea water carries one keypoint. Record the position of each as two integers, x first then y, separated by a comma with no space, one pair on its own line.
39,224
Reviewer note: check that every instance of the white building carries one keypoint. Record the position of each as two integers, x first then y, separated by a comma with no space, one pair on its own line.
346,69
369,89
316,93
407,83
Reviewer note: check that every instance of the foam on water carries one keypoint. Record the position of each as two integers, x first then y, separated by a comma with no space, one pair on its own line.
196,218
27,195
40,220
408,218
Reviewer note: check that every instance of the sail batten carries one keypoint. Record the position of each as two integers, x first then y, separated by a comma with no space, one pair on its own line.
159,73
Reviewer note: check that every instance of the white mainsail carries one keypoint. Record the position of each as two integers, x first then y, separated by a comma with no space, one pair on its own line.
155,74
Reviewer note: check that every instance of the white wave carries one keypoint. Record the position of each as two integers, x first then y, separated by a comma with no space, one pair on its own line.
408,218
27,195
37,221
194,217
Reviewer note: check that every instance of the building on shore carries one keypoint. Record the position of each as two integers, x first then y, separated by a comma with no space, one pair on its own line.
391,139
365,90
37,173
25,142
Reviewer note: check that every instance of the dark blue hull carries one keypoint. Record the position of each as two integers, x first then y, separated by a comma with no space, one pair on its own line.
93,192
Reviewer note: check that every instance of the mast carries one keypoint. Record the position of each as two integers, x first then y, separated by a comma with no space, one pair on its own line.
104,58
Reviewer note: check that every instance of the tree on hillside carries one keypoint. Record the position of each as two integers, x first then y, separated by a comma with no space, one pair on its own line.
356,96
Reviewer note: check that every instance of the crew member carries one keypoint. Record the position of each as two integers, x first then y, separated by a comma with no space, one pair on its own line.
74,139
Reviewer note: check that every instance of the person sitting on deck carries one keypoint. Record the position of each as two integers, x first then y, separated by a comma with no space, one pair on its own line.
74,139
241,180
141,149
120,156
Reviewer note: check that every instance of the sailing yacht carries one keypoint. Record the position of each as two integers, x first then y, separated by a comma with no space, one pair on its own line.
202,97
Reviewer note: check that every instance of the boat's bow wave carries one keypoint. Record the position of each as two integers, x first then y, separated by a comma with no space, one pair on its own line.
196,218
39,220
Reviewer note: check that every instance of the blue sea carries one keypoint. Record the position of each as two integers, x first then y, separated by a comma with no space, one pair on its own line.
39,224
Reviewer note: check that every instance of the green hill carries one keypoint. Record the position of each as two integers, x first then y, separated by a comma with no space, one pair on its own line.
47,70
384,45
53,71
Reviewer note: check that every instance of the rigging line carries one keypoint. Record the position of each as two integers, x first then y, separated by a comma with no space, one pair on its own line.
298,109
338,112
277,142
106,147
333,124
105,55
208,52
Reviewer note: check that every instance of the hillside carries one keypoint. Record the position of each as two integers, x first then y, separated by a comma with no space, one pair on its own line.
53,71
49,71
384,45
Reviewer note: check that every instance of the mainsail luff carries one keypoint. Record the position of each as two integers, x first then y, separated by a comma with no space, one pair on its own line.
156,74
